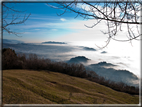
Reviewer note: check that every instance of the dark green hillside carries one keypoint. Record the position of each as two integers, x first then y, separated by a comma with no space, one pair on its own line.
40,87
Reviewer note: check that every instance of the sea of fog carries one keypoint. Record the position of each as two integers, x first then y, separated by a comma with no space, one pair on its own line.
124,55
124,60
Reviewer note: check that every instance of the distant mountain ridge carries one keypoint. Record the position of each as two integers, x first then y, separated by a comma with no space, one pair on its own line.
104,63
11,41
89,49
53,42
115,75
103,52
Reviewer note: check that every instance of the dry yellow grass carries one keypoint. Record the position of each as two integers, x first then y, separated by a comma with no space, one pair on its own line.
40,87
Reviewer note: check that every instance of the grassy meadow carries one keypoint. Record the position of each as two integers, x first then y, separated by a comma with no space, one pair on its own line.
45,87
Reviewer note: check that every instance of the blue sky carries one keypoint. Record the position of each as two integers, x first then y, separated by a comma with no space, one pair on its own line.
45,25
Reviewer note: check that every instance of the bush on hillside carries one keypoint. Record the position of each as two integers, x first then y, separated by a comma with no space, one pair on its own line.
9,59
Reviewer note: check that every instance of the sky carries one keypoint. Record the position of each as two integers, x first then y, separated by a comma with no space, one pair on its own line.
45,25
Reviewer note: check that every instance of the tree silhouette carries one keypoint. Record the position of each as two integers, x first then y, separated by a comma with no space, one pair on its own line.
11,16
116,14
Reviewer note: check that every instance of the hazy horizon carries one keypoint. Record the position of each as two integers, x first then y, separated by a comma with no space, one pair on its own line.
45,25
125,60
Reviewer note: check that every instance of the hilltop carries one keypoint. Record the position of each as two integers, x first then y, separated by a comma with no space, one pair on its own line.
45,87
78,59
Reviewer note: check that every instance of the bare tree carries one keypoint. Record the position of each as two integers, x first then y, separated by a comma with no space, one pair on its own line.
11,16
116,14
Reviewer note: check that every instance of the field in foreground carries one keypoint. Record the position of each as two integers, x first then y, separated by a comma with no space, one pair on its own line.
42,87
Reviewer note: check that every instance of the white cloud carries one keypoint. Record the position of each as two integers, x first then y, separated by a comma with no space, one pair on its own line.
82,33
47,4
62,19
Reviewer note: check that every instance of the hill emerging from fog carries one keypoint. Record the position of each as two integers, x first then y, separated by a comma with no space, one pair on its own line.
78,59
107,71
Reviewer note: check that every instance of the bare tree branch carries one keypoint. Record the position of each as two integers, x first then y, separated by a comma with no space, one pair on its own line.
116,14
14,20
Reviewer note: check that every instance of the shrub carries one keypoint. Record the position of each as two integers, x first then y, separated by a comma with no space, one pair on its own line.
9,59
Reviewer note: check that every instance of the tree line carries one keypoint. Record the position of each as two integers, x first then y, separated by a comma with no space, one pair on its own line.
10,60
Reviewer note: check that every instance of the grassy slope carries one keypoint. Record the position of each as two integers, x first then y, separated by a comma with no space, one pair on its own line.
40,87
